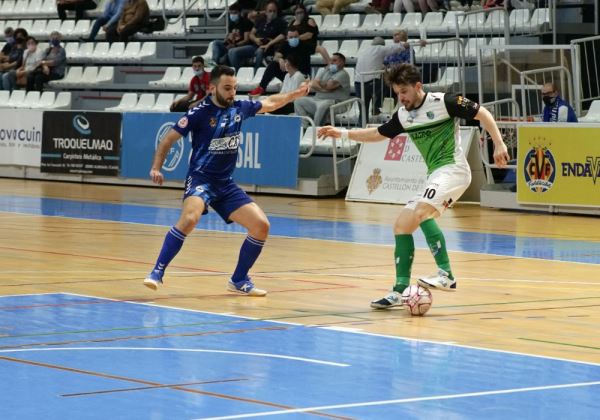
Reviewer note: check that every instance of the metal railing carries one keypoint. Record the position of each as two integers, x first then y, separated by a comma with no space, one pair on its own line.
342,147
587,79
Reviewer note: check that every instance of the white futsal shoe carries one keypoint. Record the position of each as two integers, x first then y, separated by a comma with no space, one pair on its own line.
390,300
439,281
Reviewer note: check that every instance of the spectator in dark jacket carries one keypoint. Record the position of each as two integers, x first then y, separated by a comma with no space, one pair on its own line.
80,6
52,66
14,59
109,19
238,36
134,17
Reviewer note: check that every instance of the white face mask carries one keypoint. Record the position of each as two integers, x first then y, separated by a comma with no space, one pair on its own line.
199,72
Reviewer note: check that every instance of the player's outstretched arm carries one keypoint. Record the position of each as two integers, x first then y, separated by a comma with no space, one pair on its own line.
273,102
365,135
161,153
501,156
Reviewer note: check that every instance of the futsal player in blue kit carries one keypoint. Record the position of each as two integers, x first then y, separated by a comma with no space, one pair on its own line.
215,126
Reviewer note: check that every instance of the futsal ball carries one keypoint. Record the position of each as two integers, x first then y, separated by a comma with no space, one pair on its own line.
417,299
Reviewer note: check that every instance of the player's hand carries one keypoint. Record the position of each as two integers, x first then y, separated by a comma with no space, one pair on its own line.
303,89
157,176
501,156
329,131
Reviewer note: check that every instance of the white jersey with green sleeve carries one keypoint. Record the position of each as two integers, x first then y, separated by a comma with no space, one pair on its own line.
434,128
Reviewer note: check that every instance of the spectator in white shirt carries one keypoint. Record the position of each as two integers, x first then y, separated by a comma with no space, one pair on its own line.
368,63
292,81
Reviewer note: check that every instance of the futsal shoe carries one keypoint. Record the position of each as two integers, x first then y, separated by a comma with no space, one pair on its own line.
154,279
245,287
439,281
392,299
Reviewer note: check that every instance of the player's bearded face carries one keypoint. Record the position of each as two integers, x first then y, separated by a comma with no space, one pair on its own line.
408,95
225,91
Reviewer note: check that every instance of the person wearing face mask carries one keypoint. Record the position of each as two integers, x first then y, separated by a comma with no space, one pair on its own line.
332,84
293,80
238,36
556,109
197,89
9,37
52,66
31,59
265,37
276,69
15,55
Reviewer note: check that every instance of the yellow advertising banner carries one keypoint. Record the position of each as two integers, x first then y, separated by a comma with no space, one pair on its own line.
558,164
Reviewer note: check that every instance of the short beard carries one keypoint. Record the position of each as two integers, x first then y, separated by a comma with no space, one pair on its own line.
225,103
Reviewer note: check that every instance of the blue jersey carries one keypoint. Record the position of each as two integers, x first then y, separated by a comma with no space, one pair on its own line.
215,135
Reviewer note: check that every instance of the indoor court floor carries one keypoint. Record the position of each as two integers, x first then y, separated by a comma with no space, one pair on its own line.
81,337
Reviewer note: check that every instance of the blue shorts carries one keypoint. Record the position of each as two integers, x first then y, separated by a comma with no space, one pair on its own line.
223,195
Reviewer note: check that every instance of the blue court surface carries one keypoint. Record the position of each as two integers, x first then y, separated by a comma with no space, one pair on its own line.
66,356
377,234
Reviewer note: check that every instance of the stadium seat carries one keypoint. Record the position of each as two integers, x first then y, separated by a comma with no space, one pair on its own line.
82,28
31,99
105,75
48,8
540,20
473,24
4,96
101,51
370,25
349,48
184,79
85,53
318,19
452,21
390,24
330,45
72,51
244,76
128,102
35,7
39,28
131,52
89,76
52,25
62,101
145,103
170,77
72,77
67,28
26,24
593,114
6,8
449,79
471,48
148,50
519,20
348,27
412,22
329,25
163,102
432,21
21,8
115,52
17,97
208,55
494,24
46,100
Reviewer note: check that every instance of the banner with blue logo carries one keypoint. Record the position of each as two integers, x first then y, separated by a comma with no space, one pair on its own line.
81,142
267,154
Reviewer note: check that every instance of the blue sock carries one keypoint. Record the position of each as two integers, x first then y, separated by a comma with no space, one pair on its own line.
248,254
171,246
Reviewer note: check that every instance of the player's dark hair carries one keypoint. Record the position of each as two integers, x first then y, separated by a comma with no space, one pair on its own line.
403,74
198,59
219,71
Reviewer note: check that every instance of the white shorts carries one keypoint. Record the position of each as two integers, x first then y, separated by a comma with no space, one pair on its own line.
443,187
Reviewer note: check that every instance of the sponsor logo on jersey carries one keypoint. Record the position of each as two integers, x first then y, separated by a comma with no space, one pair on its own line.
225,143
430,115
183,122
175,152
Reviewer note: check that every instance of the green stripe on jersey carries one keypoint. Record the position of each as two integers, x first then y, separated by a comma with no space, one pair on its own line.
436,142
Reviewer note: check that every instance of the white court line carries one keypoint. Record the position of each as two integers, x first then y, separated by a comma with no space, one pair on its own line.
32,294
390,245
403,401
443,343
242,353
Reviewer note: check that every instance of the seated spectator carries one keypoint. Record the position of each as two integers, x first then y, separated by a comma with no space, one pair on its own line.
9,38
31,59
332,84
134,17
276,69
379,6
238,36
80,6
409,6
292,81
265,37
369,61
198,87
402,56
52,66
327,7
109,19
556,109
15,55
